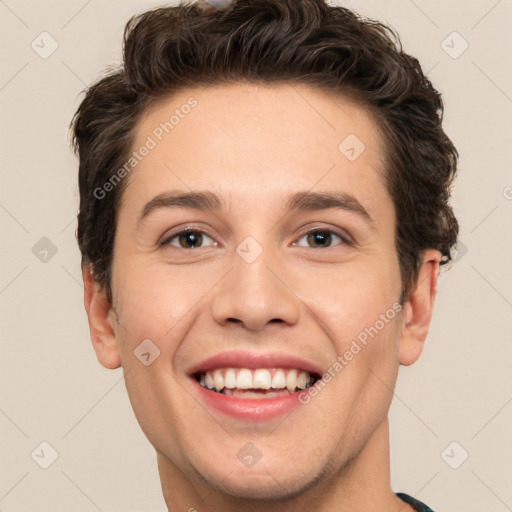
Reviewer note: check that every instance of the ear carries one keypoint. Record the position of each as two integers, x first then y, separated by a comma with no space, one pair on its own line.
99,312
418,309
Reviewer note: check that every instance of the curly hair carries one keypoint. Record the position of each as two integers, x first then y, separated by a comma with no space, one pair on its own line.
332,48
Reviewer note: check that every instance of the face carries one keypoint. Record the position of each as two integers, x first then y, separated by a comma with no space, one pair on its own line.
254,254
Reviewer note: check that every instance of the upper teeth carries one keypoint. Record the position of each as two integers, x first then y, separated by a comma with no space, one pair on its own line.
264,378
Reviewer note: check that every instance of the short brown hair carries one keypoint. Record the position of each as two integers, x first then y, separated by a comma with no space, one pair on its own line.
310,42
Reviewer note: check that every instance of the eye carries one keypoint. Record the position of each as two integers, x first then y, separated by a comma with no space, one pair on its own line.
188,239
321,238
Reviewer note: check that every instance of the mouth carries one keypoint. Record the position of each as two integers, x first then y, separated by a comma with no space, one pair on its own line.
252,386
256,383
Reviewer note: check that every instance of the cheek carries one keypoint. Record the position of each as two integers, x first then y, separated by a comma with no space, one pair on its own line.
152,294
358,309
355,297
364,332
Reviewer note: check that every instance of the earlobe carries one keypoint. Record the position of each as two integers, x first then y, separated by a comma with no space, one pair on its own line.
418,309
99,312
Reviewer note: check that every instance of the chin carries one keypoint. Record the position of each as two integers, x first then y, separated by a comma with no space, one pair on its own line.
264,483
264,488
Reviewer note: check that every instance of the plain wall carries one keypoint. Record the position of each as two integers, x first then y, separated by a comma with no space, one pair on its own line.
54,390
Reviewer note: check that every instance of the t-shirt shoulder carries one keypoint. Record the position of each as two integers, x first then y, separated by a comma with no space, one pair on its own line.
417,505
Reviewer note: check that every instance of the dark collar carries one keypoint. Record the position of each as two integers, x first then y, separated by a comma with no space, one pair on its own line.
420,507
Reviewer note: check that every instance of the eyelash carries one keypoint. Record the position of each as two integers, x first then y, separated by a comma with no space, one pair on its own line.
344,239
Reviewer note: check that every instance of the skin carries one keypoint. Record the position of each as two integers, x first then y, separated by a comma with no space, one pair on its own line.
254,146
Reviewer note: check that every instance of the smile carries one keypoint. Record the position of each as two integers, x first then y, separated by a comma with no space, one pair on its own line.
252,386
256,383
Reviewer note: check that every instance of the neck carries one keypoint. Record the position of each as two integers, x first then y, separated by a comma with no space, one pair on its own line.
362,484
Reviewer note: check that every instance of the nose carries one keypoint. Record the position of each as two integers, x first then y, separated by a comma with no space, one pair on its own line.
255,294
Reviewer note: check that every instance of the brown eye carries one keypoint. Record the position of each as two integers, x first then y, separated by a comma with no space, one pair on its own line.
319,239
188,240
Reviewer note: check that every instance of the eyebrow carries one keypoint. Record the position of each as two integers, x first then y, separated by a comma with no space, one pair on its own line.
302,201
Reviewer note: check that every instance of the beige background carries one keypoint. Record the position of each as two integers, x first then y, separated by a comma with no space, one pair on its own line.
54,390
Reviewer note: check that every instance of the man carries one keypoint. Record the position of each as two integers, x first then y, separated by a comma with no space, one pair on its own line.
263,212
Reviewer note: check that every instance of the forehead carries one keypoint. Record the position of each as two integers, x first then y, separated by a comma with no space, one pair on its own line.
239,139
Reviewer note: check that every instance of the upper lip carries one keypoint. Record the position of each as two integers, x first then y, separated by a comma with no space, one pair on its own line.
255,360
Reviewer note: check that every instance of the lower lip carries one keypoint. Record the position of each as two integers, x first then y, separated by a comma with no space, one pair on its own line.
248,409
